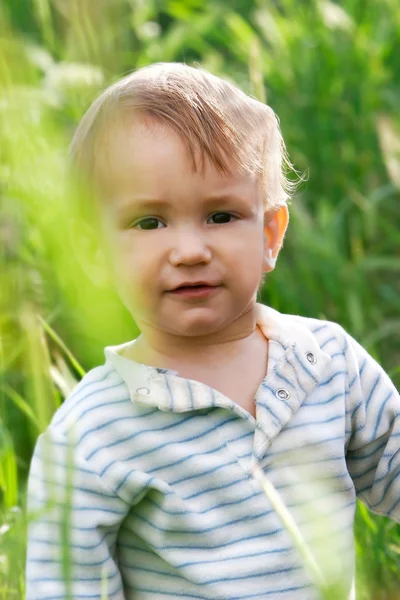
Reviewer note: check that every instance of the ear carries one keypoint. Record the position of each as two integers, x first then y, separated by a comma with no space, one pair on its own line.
275,226
85,244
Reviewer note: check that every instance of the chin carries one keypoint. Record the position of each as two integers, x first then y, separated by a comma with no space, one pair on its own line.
196,325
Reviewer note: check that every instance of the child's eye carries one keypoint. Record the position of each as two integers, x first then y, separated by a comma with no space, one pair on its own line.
222,217
148,223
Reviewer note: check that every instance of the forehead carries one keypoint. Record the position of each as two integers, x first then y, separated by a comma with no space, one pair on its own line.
147,156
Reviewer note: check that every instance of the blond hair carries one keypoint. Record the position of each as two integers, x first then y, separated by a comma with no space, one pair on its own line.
215,120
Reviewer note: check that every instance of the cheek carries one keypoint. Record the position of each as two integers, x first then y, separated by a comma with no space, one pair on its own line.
247,247
136,263
247,253
127,251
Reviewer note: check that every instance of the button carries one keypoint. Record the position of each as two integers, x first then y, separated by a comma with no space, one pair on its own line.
311,358
282,394
143,391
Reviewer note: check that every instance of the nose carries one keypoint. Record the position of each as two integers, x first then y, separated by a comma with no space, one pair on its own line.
189,248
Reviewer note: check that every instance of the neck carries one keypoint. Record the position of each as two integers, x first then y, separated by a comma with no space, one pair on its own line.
164,349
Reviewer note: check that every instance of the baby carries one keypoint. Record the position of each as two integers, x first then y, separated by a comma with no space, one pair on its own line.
148,466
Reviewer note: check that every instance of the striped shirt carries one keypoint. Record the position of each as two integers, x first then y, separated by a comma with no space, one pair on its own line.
142,485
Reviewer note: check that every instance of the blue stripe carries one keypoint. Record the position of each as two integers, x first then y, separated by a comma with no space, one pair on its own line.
328,381
205,510
378,420
77,488
164,593
387,455
117,420
213,560
82,385
372,390
80,563
360,403
109,403
395,474
307,371
219,544
333,338
77,579
209,581
267,408
200,530
323,422
79,596
144,485
63,466
185,458
241,437
130,437
310,444
337,354
320,328
240,557
279,374
78,508
214,489
323,402
391,510
354,431
359,475
296,376
241,597
352,382
197,475
364,362
78,528
158,448
54,542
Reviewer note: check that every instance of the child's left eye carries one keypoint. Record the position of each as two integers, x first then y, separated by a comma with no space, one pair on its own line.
222,217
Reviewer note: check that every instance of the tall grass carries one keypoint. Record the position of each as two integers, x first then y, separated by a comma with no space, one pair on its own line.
331,72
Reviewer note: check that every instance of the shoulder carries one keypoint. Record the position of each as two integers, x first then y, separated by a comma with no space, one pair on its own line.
349,354
323,330
330,336
100,391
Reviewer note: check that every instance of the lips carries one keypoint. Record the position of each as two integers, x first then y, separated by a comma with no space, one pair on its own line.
193,285
195,293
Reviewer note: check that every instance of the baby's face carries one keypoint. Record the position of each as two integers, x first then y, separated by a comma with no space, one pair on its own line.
168,225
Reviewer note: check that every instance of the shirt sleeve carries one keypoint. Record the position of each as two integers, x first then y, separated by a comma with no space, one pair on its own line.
373,451
74,518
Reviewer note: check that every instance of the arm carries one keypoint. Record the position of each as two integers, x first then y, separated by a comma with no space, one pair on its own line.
76,518
373,455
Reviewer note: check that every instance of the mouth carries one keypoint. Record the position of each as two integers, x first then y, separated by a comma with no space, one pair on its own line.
197,290
197,286
189,285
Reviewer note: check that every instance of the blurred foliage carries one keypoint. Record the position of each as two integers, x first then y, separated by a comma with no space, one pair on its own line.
331,71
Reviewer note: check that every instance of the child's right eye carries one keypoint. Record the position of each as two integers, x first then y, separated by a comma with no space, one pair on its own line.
148,223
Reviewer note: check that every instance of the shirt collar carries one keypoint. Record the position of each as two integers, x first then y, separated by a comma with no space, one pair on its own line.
149,385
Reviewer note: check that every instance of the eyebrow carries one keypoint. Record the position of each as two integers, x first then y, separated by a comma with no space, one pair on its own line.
154,203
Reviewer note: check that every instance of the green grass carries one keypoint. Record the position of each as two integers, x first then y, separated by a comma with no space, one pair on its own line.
330,71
